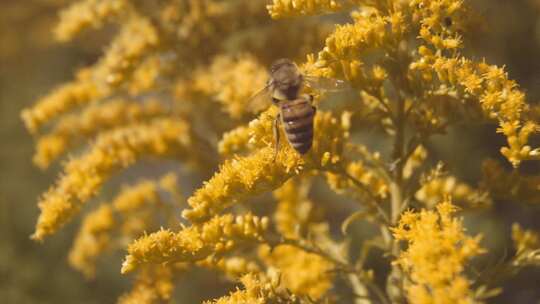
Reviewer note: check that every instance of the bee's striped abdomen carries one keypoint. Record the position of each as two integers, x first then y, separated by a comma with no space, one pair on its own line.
297,117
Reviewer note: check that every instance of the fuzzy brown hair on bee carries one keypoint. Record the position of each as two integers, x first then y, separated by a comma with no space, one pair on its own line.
285,80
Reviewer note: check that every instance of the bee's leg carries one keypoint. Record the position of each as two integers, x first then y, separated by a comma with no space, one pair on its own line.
276,134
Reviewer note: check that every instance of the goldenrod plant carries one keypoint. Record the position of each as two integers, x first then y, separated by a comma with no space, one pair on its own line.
173,88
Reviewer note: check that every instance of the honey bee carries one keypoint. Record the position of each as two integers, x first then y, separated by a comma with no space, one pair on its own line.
296,112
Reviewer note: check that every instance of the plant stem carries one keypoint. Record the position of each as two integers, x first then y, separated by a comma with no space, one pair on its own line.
361,286
394,286
376,202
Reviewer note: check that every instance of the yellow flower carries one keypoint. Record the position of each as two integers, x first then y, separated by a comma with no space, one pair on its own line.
291,8
435,257
305,274
441,21
194,243
341,57
234,141
524,239
91,121
233,267
416,160
435,190
232,81
138,205
499,98
137,38
512,185
242,177
146,76
153,284
134,210
368,178
62,99
258,290
92,239
89,13
294,210
111,152
175,81
527,245
256,135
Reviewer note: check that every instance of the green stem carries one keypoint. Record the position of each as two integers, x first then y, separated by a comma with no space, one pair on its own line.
394,286
359,283
376,203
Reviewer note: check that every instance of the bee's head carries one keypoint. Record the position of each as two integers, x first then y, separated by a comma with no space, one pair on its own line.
286,80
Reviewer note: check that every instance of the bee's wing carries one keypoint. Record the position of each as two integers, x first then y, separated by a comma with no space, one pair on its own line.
260,100
325,84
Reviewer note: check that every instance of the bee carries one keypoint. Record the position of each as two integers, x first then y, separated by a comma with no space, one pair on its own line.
296,112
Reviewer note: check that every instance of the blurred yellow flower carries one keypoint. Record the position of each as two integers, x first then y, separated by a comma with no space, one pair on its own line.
152,285
527,245
93,238
112,151
303,273
435,257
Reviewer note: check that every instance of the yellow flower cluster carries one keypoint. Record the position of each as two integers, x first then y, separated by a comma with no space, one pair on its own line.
527,245
341,57
440,21
524,239
368,178
131,212
152,285
92,239
435,190
235,140
255,135
217,236
416,160
154,93
294,210
88,14
292,8
147,75
259,289
232,81
78,92
112,151
518,134
259,172
139,202
305,274
505,185
498,96
234,267
240,178
435,257
136,39
91,121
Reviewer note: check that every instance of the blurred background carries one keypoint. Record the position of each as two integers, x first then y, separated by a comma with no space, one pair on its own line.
31,63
